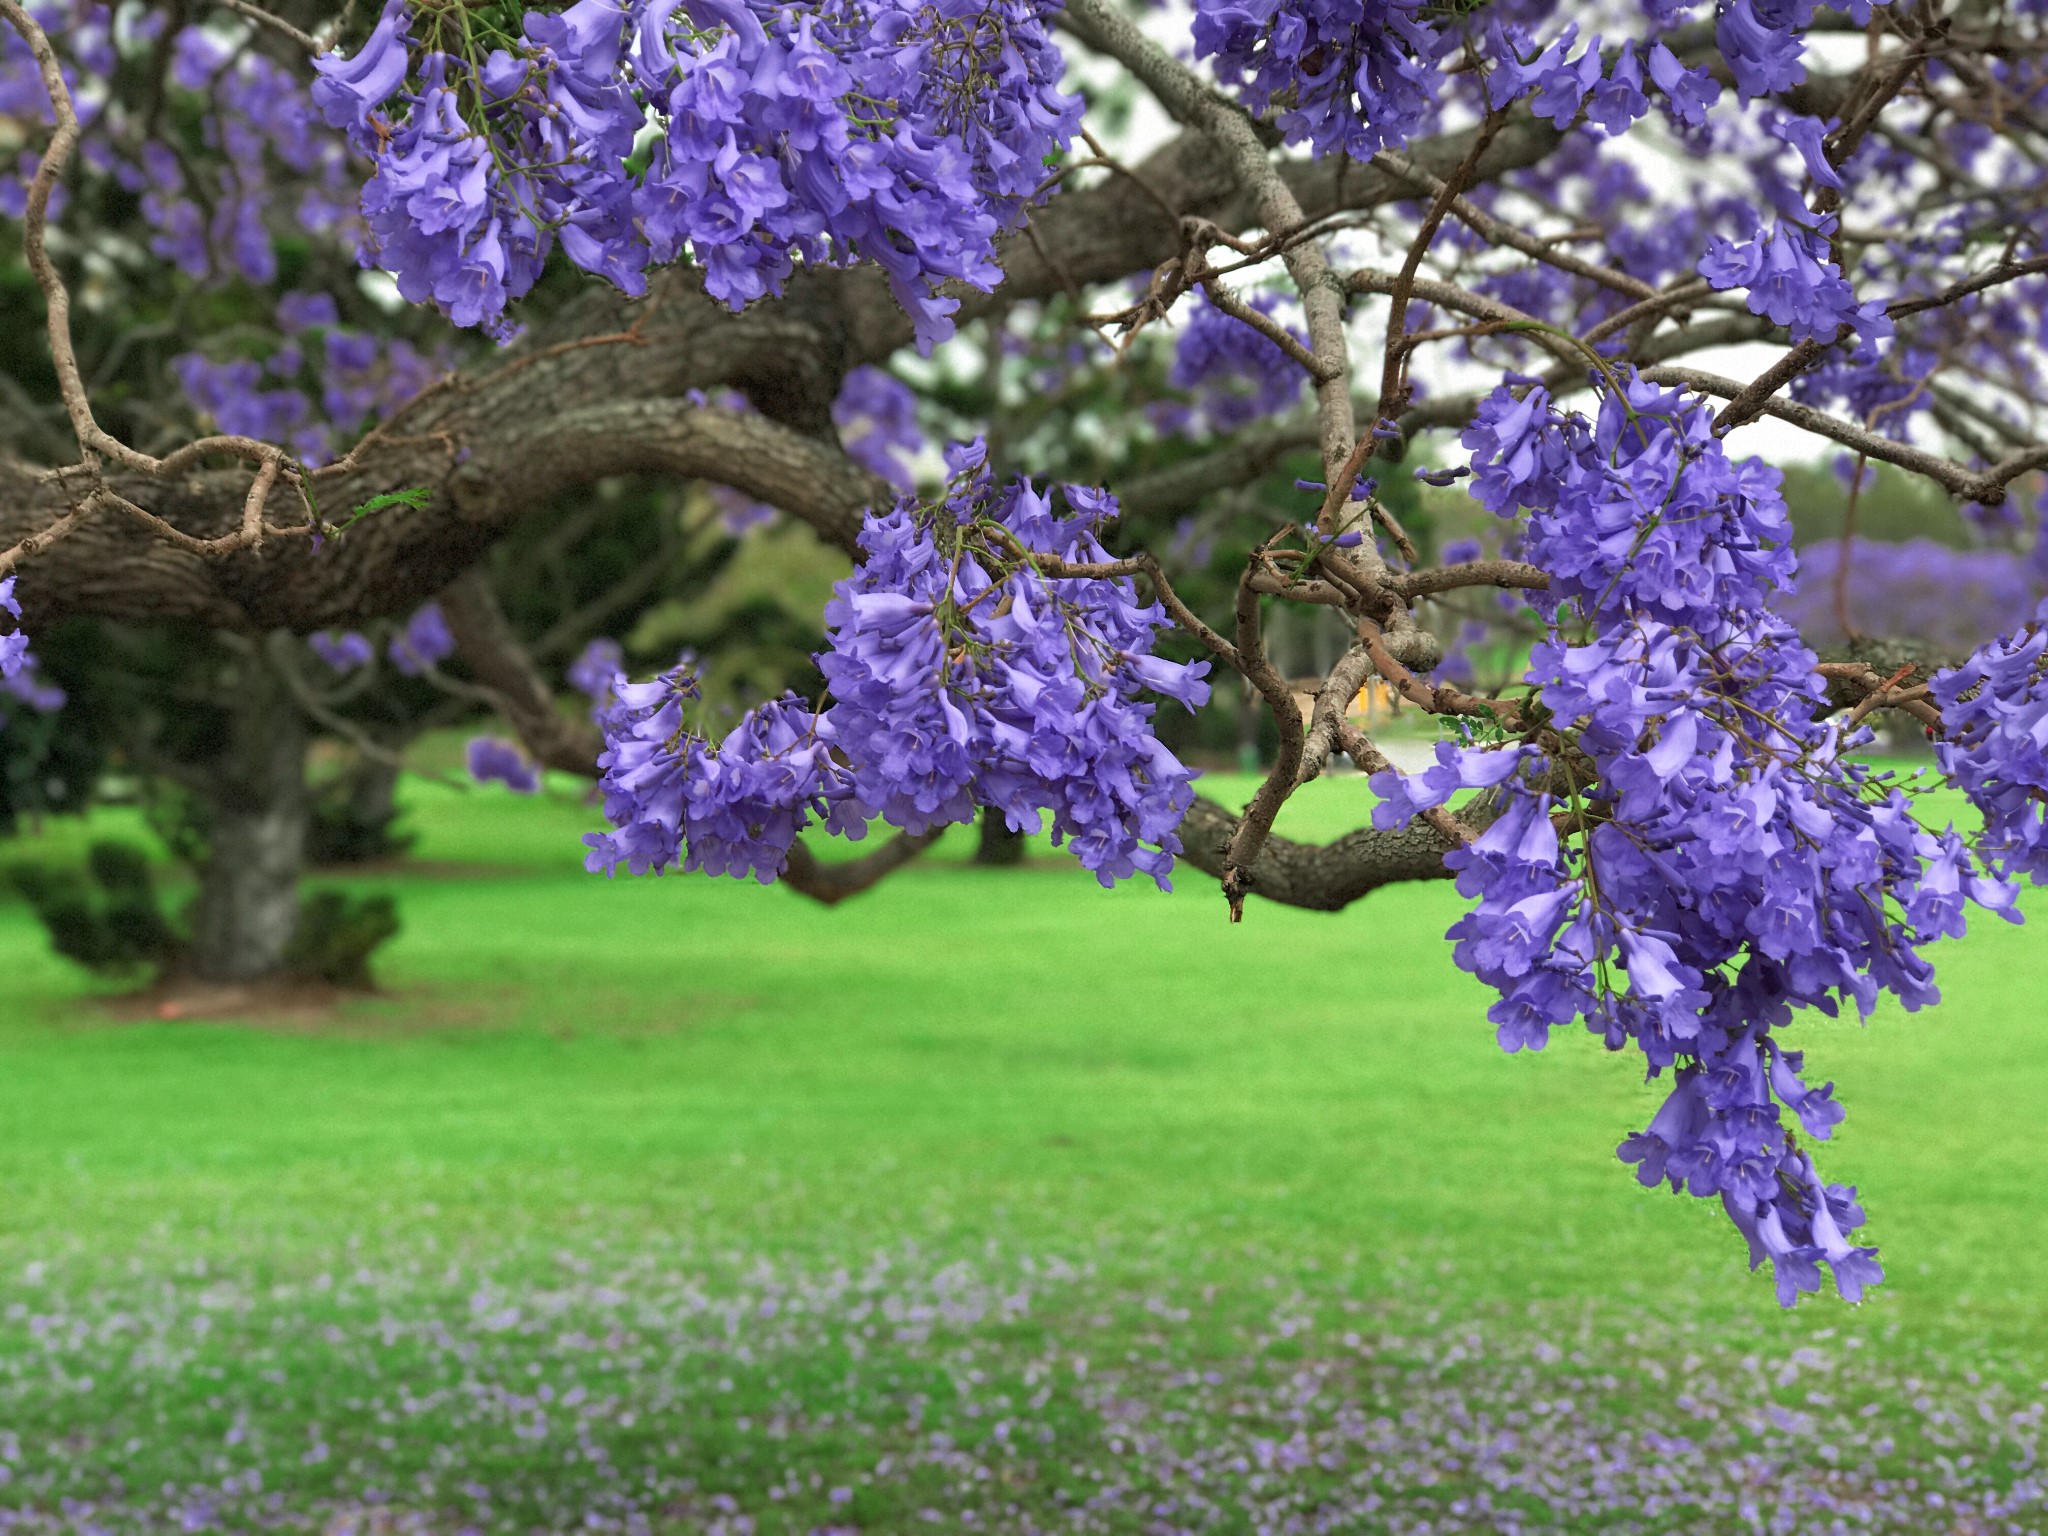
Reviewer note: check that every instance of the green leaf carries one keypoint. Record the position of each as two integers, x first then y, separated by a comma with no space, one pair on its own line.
416,497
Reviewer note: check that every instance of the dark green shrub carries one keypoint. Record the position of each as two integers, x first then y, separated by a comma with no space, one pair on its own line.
105,916
355,818
336,936
135,923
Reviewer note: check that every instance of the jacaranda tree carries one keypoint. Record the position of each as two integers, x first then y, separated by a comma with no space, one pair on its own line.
1471,242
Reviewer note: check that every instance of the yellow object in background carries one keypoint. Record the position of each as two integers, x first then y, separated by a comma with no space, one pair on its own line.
1375,701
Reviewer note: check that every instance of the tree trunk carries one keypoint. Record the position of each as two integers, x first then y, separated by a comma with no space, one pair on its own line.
999,848
249,887
373,793
351,818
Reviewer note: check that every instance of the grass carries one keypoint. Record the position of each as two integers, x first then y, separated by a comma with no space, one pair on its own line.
1275,1136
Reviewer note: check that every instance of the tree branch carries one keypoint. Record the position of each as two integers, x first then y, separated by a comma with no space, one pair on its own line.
832,883
1986,486
1322,878
488,647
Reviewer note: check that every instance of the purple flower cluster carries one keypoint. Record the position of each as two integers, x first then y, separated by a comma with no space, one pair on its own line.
18,673
960,676
1994,712
424,641
344,650
231,395
319,386
14,652
207,177
1887,388
1348,77
494,760
1764,40
213,220
597,669
446,219
1236,374
1633,502
1612,98
1683,853
1559,86
1353,79
894,131
88,29
1792,278
215,223
732,809
876,414
1919,590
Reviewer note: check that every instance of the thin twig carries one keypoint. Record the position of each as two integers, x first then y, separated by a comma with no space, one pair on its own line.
1499,232
1257,821
94,442
278,24
1986,486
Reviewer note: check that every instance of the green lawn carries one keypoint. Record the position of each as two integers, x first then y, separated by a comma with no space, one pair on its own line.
1253,1152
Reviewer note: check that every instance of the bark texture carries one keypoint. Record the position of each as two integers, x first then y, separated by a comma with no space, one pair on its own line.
256,798
1325,877
997,846
604,390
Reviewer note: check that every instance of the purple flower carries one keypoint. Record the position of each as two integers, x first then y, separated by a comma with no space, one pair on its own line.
1739,866
597,669
1562,88
1855,1269
1995,745
1403,796
1677,1126
424,641
1792,279
1764,54
14,653
1339,75
1236,373
1815,1107
1615,103
343,650
25,685
1688,93
349,90
18,678
877,419
1805,135
196,57
492,759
